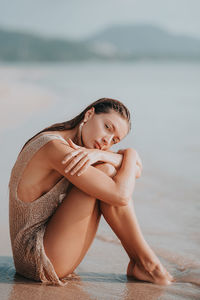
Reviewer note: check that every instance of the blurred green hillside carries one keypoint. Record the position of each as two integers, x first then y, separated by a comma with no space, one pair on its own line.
119,42
17,46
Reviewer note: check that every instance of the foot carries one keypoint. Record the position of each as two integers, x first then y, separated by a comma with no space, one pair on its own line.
156,274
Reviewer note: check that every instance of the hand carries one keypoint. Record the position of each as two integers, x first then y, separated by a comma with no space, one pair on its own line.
80,159
138,171
139,166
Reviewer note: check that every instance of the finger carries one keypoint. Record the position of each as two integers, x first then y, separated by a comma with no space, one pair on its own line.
74,161
72,144
139,159
70,155
139,164
85,167
79,166
121,151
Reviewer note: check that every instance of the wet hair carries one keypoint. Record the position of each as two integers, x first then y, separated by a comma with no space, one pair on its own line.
103,105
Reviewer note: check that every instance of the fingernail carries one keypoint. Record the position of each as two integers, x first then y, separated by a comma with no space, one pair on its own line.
63,161
78,174
72,173
66,170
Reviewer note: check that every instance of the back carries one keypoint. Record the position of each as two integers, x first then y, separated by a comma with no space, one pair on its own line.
29,216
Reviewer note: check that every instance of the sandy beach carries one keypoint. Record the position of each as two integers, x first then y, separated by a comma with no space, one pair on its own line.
166,197
101,275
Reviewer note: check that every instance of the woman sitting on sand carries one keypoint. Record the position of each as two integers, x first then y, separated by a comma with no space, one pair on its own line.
64,178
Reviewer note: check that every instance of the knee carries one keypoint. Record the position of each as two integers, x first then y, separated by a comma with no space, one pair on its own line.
110,169
107,169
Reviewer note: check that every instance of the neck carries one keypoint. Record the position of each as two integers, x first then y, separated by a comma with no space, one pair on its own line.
74,134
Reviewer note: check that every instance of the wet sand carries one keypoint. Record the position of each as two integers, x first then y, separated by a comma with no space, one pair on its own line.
101,275
166,198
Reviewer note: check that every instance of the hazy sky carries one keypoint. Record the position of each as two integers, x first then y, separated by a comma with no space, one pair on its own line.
80,18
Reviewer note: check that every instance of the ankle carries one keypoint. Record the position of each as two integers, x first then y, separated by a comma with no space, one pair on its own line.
130,267
149,261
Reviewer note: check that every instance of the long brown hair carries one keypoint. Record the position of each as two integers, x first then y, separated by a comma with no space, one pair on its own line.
103,105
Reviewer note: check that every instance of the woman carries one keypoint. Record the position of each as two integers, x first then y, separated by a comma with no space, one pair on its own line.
64,178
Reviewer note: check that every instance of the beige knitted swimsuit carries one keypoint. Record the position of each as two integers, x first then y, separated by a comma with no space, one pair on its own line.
28,219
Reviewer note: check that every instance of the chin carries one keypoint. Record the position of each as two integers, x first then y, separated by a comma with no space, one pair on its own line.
89,146
84,145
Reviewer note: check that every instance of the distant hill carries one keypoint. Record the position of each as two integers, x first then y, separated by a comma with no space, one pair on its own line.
17,46
119,42
143,41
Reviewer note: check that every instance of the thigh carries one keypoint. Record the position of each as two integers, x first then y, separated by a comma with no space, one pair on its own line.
71,230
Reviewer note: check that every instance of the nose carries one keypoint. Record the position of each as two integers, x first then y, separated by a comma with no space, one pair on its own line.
107,140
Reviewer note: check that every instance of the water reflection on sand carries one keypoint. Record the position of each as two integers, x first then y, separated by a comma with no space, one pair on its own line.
96,285
15,287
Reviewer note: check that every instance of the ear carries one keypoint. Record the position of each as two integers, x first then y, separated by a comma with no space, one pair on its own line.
89,113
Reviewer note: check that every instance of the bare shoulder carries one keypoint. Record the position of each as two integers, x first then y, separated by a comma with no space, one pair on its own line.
55,150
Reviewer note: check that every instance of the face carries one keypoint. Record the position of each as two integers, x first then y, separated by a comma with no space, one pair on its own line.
101,131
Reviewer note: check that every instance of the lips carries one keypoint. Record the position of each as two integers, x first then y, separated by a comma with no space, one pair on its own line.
97,145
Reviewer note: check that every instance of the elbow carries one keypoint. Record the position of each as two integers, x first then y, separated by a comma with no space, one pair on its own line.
124,198
123,201
121,196
116,200
123,192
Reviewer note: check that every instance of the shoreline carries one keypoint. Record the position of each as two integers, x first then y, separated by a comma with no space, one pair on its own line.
101,275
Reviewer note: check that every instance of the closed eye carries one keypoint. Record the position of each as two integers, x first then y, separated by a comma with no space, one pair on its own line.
115,140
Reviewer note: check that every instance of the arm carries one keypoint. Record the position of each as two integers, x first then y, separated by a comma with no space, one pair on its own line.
111,157
93,181
94,156
127,173
107,156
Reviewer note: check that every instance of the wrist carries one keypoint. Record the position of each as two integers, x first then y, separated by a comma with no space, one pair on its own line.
104,156
101,155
